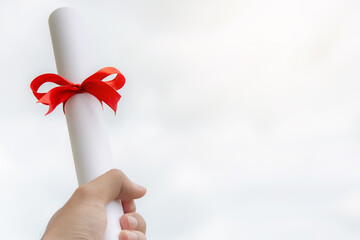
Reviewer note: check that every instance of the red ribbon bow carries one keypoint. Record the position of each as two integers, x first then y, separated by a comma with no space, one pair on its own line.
103,91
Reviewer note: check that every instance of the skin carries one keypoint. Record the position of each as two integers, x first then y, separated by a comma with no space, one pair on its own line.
83,217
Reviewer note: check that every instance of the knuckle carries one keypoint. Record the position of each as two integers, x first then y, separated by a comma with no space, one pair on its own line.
83,191
116,172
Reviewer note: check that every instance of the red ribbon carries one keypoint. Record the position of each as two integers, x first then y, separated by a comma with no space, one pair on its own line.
103,91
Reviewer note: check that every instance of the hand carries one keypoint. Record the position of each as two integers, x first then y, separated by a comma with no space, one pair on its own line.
84,215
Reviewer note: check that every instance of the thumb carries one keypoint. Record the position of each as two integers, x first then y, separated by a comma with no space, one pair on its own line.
113,184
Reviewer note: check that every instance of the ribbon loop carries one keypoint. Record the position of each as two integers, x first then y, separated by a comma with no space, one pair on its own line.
104,91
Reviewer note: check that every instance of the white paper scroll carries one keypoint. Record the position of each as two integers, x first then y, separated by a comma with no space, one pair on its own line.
84,114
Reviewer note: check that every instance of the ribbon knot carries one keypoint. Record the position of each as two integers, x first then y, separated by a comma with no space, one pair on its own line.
81,89
103,91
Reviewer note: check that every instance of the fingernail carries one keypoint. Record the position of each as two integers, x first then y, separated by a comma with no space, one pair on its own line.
131,235
133,223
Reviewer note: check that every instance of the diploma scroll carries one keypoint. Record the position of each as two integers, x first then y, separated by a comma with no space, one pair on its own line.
89,142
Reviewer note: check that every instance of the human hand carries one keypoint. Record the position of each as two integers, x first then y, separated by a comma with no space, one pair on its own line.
83,217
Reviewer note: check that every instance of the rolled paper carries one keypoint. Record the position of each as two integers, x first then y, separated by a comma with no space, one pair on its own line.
89,141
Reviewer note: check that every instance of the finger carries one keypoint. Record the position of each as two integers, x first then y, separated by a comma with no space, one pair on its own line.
133,221
129,206
131,235
113,184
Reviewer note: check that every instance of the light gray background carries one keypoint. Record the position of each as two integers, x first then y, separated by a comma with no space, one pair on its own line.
241,117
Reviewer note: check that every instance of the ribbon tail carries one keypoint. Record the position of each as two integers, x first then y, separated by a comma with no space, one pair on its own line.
57,96
104,93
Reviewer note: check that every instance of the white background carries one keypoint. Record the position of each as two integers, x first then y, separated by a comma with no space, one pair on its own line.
241,117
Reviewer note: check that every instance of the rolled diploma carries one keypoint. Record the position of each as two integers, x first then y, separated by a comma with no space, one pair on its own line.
89,142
